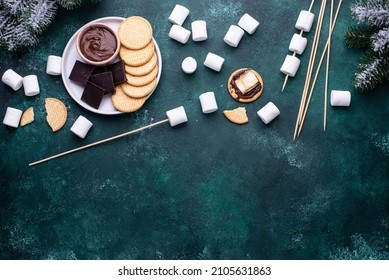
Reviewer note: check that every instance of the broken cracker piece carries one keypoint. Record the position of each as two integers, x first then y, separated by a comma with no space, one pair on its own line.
237,116
27,117
57,113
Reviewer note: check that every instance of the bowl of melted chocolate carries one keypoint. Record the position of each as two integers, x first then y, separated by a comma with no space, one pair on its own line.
98,44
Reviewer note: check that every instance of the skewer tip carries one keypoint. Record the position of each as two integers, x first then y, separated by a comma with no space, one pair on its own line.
285,81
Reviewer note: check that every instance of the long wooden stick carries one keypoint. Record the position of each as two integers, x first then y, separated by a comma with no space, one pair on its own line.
327,68
301,33
318,68
98,142
310,68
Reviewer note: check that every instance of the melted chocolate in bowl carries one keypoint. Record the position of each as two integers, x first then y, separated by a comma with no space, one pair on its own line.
97,43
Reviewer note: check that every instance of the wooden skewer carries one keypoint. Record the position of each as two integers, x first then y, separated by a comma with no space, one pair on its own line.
327,69
294,53
318,67
98,142
310,68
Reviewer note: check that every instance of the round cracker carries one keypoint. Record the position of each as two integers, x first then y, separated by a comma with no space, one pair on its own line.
139,92
232,92
123,103
135,33
143,69
137,57
139,81
57,113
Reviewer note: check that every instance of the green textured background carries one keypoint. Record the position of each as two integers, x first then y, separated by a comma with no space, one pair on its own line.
208,189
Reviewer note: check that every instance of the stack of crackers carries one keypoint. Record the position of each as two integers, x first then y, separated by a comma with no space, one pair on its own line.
138,53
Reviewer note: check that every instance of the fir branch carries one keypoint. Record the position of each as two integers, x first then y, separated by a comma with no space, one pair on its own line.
373,70
40,15
380,40
359,36
374,12
15,7
69,4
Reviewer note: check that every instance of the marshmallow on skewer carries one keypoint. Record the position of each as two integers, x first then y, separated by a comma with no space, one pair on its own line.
199,30
178,15
208,102
340,98
248,23
31,85
179,34
233,36
53,66
268,113
214,62
81,127
12,117
305,21
298,44
189,65
177,116
290,66
12,79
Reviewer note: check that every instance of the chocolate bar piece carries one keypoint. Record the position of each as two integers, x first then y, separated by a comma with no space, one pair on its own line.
81,72
105,81
118,72
92,95
100,69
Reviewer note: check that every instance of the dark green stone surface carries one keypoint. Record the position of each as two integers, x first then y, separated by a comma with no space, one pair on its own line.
208,189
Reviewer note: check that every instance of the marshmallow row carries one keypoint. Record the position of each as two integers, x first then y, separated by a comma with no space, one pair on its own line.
209,105
181,34
297,44
212,61
30,83
235,32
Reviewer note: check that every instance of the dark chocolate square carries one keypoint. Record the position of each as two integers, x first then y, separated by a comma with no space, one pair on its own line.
100,69
92,95
118,72
105,81
81,72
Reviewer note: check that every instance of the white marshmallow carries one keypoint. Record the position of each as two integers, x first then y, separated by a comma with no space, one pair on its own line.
199,30
179,34
305,20
340,98
178,15
208,102
214,61
12,79
268,113
298,44
31,85
177,116
53,66
12,117
81,127
189,65
248,23
290,66
233,36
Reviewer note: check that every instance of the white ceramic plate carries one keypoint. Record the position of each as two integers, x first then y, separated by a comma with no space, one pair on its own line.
69,57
